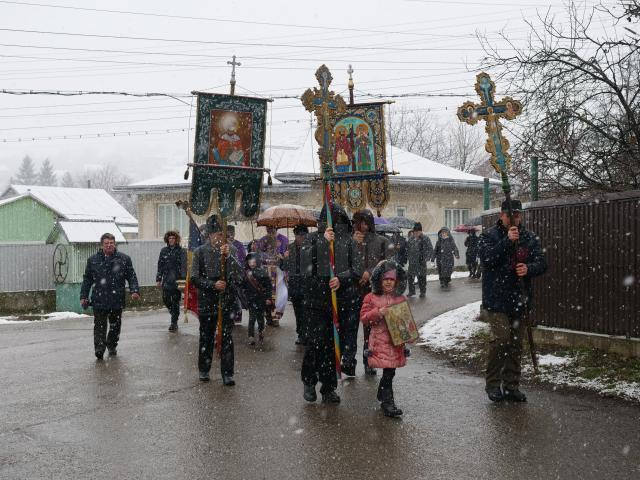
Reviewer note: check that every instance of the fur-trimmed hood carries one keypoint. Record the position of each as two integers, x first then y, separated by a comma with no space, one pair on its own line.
365,216
338,216
378,273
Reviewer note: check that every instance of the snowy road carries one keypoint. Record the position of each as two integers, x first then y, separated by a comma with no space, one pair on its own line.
144,415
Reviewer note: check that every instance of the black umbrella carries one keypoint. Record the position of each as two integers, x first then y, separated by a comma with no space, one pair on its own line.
387,228
402,222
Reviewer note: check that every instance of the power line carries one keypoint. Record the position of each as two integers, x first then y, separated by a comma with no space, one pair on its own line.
82,112
94,123
93,135
220,42
221,20
248,57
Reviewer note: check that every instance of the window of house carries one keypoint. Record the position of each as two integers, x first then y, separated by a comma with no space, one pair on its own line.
401,211
455,216
171,217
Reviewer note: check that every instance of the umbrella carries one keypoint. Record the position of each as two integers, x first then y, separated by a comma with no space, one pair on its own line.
380,221
465,228
286,216
402,222
474,221
387,228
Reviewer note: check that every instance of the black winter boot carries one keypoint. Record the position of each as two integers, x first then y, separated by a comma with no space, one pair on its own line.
330,397
310,394
388,405
514,395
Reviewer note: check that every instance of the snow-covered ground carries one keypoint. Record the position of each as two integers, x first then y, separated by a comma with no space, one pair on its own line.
435,278
451,331
42,318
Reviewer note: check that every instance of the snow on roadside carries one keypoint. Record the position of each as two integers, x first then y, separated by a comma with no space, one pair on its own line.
11,319
435,278
558,371
452,329
451,332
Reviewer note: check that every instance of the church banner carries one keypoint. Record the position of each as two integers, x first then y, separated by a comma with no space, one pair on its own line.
228,153
359,169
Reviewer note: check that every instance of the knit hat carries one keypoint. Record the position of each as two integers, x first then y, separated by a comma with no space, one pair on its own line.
417,227
390,274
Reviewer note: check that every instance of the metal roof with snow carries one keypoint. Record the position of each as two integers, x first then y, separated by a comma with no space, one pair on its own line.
86,232
88,204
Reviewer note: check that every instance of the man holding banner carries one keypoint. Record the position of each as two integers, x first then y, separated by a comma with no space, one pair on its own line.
319,363
214,288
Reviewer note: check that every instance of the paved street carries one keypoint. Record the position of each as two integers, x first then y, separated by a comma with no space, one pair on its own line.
144,415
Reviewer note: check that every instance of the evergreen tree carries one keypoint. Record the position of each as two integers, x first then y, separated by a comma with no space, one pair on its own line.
46,175
26,174
67,180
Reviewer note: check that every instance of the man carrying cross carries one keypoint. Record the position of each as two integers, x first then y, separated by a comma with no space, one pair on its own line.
511,255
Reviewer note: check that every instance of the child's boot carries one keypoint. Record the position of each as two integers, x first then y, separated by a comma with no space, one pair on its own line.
388,405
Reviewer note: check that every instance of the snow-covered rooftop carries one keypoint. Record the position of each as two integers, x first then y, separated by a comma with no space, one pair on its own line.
89,232
288,161
78,203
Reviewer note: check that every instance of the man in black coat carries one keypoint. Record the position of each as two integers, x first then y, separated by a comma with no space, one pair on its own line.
401,255
419,250
472,242
105,276
291,264
511,256
319,355
172,266
214,288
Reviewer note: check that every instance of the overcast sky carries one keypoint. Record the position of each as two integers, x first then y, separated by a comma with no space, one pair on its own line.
395,48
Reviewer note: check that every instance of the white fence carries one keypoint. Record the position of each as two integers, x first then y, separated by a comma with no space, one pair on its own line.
29,267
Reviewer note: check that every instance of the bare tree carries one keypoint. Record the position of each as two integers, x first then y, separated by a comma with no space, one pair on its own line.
67,180
106,178
416,131
582,97
466,148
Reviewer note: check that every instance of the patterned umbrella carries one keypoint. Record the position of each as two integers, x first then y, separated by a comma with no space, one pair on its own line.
465,228
286,216
402,222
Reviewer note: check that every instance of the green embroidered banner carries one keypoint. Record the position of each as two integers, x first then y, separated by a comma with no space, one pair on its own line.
228,153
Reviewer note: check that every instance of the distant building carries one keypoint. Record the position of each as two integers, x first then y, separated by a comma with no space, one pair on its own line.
425,191
31,213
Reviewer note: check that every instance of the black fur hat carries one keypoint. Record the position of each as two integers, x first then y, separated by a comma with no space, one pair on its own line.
365,216
383,267
213,225
300,230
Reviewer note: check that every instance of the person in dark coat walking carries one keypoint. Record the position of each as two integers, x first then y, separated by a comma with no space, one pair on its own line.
172,266
471,242
419,251
257,291
370,249
213,288
510,254
400,245
443,254
291,264
241,254
105,276
319,359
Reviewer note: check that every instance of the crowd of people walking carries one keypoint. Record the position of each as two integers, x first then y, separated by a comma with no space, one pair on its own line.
343,271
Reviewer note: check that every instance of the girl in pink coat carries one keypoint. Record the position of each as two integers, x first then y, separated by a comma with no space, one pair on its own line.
388,281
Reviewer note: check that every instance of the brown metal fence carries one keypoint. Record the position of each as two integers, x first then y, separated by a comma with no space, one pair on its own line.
592,246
